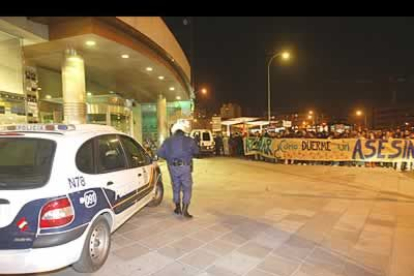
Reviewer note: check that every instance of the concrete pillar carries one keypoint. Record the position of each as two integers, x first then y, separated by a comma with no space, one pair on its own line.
162,121
108,115
73,88
137,122
131,123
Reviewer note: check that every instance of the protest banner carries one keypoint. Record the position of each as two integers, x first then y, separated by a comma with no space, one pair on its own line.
370,150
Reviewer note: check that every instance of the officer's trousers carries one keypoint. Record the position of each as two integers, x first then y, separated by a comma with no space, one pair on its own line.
181,181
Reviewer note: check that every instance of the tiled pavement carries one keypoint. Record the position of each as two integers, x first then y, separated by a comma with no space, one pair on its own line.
260,219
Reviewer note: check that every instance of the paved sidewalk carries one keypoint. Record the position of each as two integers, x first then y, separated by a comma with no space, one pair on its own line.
261,219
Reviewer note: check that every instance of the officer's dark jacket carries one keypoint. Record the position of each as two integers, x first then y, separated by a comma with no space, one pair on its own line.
178,147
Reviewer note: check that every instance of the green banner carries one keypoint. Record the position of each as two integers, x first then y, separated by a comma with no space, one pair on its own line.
373,150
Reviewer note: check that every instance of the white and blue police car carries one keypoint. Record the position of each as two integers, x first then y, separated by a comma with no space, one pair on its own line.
64,189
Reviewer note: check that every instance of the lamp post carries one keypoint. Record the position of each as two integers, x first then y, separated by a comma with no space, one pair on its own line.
312,118
359,113
285,56
203,91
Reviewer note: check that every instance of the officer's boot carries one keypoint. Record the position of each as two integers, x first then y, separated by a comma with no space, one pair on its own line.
177,209
185,211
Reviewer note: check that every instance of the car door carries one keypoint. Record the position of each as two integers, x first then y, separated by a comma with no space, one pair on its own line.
207,139
115,176
140,163
197,138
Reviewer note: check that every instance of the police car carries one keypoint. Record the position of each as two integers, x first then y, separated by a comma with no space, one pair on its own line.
64,189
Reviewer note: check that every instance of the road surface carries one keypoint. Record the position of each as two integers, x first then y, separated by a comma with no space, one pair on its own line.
261,219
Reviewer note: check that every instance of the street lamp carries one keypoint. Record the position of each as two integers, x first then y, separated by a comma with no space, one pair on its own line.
359,113
312,117
202,91
285,56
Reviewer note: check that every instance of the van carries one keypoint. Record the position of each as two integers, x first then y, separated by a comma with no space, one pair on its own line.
204,139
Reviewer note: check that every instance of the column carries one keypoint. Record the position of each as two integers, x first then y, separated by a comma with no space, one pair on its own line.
73,88
162,122
108,115
137,122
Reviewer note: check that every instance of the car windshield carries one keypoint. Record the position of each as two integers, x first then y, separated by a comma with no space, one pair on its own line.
25,163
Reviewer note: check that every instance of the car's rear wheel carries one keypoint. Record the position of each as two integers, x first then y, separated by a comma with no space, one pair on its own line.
96,248
158,195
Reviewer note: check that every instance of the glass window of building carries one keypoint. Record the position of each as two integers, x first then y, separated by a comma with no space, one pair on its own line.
12,97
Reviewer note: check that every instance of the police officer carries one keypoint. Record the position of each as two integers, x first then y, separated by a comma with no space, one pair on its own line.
179,150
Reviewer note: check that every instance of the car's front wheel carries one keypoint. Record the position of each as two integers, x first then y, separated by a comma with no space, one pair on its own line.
96,248
158,195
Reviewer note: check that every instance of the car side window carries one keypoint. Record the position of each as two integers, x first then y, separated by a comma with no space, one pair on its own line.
135,154
85,159
110,154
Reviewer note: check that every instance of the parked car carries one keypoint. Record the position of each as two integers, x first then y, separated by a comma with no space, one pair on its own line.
64,189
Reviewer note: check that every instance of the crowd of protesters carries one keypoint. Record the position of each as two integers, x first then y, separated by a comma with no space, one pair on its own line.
233,145
229,145
386,134
361,133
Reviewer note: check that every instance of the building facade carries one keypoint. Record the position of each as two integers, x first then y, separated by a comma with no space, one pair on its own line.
103,70
393,116
230,110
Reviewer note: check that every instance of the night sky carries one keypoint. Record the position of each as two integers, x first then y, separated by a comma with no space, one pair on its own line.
338,64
